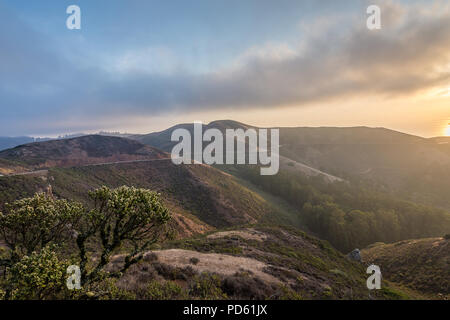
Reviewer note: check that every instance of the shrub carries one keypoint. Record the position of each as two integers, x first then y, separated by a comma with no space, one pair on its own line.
447,236
125,215
168,290
288,294
393,294
110,291
174,273
39,276
245,287
31,223
207,287
194,260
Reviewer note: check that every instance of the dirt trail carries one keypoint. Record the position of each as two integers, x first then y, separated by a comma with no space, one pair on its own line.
45,171
214,263
248,234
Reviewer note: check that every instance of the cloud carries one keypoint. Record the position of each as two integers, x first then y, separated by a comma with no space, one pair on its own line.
338,58
408,55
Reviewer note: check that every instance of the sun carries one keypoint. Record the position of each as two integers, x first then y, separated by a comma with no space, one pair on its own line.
447,131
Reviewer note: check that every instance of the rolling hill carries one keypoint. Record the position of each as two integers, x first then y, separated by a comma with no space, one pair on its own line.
222,217
257,262
420,264
412,167
85,150
201,197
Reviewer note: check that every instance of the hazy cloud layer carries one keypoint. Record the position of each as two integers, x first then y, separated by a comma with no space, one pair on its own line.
42,86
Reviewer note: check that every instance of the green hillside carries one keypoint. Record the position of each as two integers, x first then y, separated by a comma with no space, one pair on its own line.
202,196
255,262
421,264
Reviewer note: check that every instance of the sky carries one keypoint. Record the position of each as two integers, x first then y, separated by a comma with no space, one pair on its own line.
141,66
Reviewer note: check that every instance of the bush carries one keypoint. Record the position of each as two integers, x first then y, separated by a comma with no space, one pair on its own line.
288,294
245,287
174,273
194,260
40,276
207,287
104,290
447,236
168,290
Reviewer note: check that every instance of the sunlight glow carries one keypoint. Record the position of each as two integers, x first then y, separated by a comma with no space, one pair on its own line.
447,131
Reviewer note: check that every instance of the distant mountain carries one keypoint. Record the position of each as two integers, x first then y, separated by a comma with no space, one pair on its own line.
84,150
162,139
11,142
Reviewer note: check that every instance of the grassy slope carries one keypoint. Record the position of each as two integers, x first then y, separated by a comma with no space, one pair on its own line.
306,265
79,151
207,197
422,265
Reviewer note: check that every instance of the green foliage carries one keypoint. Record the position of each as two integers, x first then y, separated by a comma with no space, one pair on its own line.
288,294
393,294
352,215
207,287
32,223
420,264
38,276
125,215
105,290
168,290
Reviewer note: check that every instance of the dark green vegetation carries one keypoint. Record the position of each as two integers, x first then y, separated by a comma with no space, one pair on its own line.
40,235
419,264
410,167
351,215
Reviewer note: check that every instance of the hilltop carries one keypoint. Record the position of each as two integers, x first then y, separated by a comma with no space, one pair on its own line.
85,150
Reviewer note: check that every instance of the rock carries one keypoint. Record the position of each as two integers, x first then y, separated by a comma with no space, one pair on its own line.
355,255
